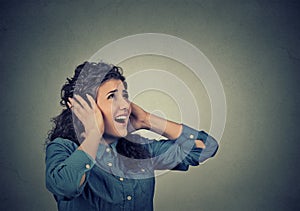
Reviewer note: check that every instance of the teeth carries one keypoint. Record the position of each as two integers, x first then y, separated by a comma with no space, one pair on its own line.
121,117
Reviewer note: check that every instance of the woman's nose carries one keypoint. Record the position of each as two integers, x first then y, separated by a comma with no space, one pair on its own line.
124,103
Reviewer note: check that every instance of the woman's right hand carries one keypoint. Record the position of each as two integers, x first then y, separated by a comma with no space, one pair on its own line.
90,116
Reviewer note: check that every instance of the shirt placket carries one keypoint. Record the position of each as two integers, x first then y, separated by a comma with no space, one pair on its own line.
109,159
127,184
128,194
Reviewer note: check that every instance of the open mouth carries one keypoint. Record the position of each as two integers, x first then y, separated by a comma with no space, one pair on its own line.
121,119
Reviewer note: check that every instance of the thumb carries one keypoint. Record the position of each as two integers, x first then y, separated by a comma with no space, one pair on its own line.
130,127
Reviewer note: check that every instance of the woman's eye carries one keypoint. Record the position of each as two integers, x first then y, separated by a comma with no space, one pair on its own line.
110,96
126,95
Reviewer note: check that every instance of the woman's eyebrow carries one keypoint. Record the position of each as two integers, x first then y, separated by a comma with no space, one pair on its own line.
113,91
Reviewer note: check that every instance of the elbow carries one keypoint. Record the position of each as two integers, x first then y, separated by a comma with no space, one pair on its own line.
181,167
62,187
211,146
210,150
214,147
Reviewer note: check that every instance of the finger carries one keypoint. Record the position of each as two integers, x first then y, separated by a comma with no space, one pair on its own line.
84,104
96,109
76,108
92,101
81,107
83,135
80,116
130,127
70,105
74,103
132,104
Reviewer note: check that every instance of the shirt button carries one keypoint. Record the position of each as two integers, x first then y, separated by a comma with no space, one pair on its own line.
143,170
191,136
121,179
109,164
129,198
107,149
87,166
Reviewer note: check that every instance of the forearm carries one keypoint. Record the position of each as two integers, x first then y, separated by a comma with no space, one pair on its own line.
65,172
144,120
90,144
167,128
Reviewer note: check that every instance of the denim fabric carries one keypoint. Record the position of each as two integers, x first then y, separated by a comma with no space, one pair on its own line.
109,184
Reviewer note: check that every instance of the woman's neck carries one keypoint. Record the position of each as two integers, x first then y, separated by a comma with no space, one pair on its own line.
109,138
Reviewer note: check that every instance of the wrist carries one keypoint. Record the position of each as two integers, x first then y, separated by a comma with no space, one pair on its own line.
146,123
94,135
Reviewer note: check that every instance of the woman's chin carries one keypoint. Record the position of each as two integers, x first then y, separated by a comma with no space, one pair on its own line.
122,133
116,134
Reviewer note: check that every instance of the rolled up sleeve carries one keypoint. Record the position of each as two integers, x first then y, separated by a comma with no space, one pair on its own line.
65,166
211,146
175,154
181,153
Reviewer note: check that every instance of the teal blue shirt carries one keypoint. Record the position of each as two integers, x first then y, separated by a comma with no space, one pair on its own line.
108,184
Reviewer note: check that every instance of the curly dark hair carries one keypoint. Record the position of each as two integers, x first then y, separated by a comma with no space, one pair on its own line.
86,80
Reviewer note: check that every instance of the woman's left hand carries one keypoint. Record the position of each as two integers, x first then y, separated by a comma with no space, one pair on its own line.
138,118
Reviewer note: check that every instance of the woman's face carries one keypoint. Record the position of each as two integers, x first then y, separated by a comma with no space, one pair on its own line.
112,99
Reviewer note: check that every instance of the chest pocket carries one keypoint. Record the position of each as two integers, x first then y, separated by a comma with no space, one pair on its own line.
105,186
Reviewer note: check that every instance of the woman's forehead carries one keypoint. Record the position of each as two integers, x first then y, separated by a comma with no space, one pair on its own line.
110,85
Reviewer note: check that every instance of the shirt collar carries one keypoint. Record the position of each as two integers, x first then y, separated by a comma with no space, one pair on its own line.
113,145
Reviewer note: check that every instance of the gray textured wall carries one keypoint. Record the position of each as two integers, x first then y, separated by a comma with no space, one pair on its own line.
254,46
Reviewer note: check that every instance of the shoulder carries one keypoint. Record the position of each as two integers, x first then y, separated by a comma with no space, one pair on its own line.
62,143
136,138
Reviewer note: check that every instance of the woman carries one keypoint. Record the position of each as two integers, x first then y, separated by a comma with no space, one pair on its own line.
94,162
